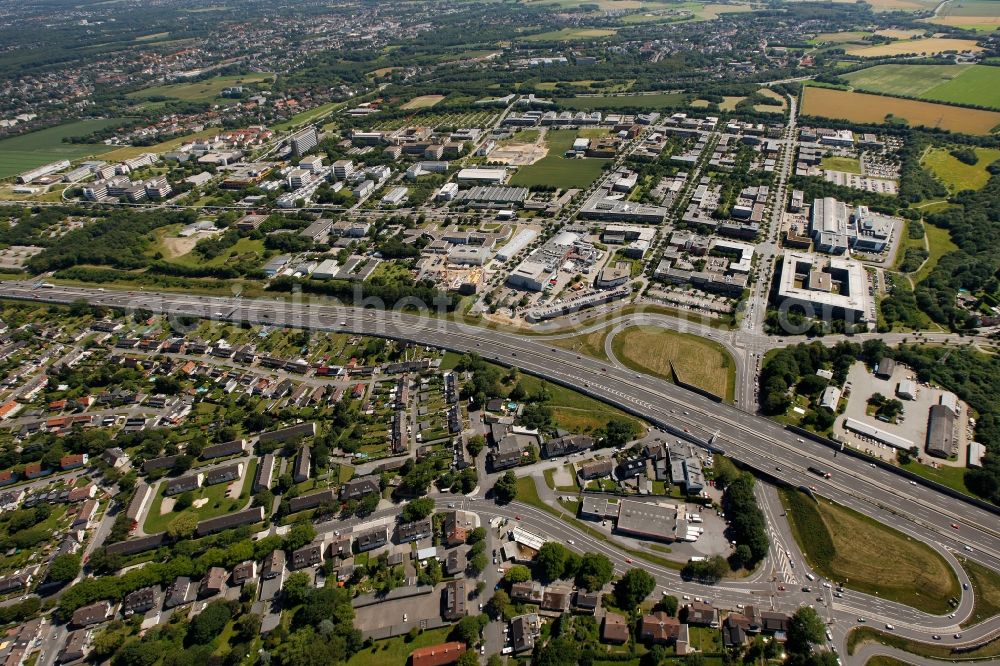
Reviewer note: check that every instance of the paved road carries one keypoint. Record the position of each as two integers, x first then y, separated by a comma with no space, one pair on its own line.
915,509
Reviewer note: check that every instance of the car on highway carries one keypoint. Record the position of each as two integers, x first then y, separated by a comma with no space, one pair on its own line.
889,627
969,548
862,620
955,525
628,560
936,637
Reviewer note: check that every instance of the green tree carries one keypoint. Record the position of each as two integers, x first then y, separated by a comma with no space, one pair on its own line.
296,588
670,603
805,630
505,489
64,568
301,533
499,605
209,623
551,560
468,658
475,445
595,571
633,588
517,574
183,526
417,509
469,629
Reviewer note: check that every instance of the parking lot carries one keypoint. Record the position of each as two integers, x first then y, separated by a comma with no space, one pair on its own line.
913,421
370,619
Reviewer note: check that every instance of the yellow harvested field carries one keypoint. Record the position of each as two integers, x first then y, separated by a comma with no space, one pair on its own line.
423,102
894,33
980,22
903,5
865,108
929,46
729,103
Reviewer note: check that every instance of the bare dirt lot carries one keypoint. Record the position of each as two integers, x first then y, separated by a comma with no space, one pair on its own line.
519,154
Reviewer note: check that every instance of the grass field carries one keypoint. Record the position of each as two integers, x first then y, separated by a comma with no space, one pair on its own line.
953,477
574,411
866,108
848,164
571,34
308,116
27,151
697,361
206,90
929,46
958,176
128,152
591,344
217,504
423,102
559,171
656,101
843,545
861,635
397,650
960,84
986,586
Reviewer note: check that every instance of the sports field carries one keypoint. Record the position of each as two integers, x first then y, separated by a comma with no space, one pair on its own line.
206,90
559,171
930,46
845,546
423,102
866,108
961,84
27,151
656,101
956,175
696,361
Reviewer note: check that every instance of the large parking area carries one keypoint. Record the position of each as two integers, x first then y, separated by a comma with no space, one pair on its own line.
912,423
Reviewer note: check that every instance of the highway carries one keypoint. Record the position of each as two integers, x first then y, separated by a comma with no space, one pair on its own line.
915,509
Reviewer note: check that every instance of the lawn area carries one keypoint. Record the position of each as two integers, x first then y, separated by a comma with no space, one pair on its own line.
662,353
559,171
953,477
571,34
243,246
848,164
397,650
34,149
862,635
591,344
574,411
961,84
422,102
656,101
206,90
308,116
845,546
958,176
940,244
986,586
217,504
128,152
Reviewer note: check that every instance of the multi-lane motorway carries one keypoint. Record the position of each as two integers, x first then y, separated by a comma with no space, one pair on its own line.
919,511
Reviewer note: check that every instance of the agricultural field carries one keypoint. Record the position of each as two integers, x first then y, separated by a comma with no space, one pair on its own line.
661,352
656,101
960,84
206,90
843,545
571,34
422,102
839,37
982,15
956,175
866,108
930,46
34,149
559,171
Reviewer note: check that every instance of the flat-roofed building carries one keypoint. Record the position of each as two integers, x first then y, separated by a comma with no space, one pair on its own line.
826,286
651,521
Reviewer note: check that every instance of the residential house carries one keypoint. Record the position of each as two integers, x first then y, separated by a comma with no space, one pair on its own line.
178,592
456,596
274,564
243,572
308,555
372,539
659,628
303,465
524,631
418,529
614,629
527,592
701,614
213,583
140,601
358,488
77,647
92,614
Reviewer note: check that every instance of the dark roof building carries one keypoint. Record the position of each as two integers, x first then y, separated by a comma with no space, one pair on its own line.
524,630
177,593
223,474
941,432
233,448
358,488
213,583
140,601
285,434
244,571
183,484
561,446
265,470
308,555
77,646
372,539
303,465
418,529
701,614
312,500
274,564
456,596
92,614
230,520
